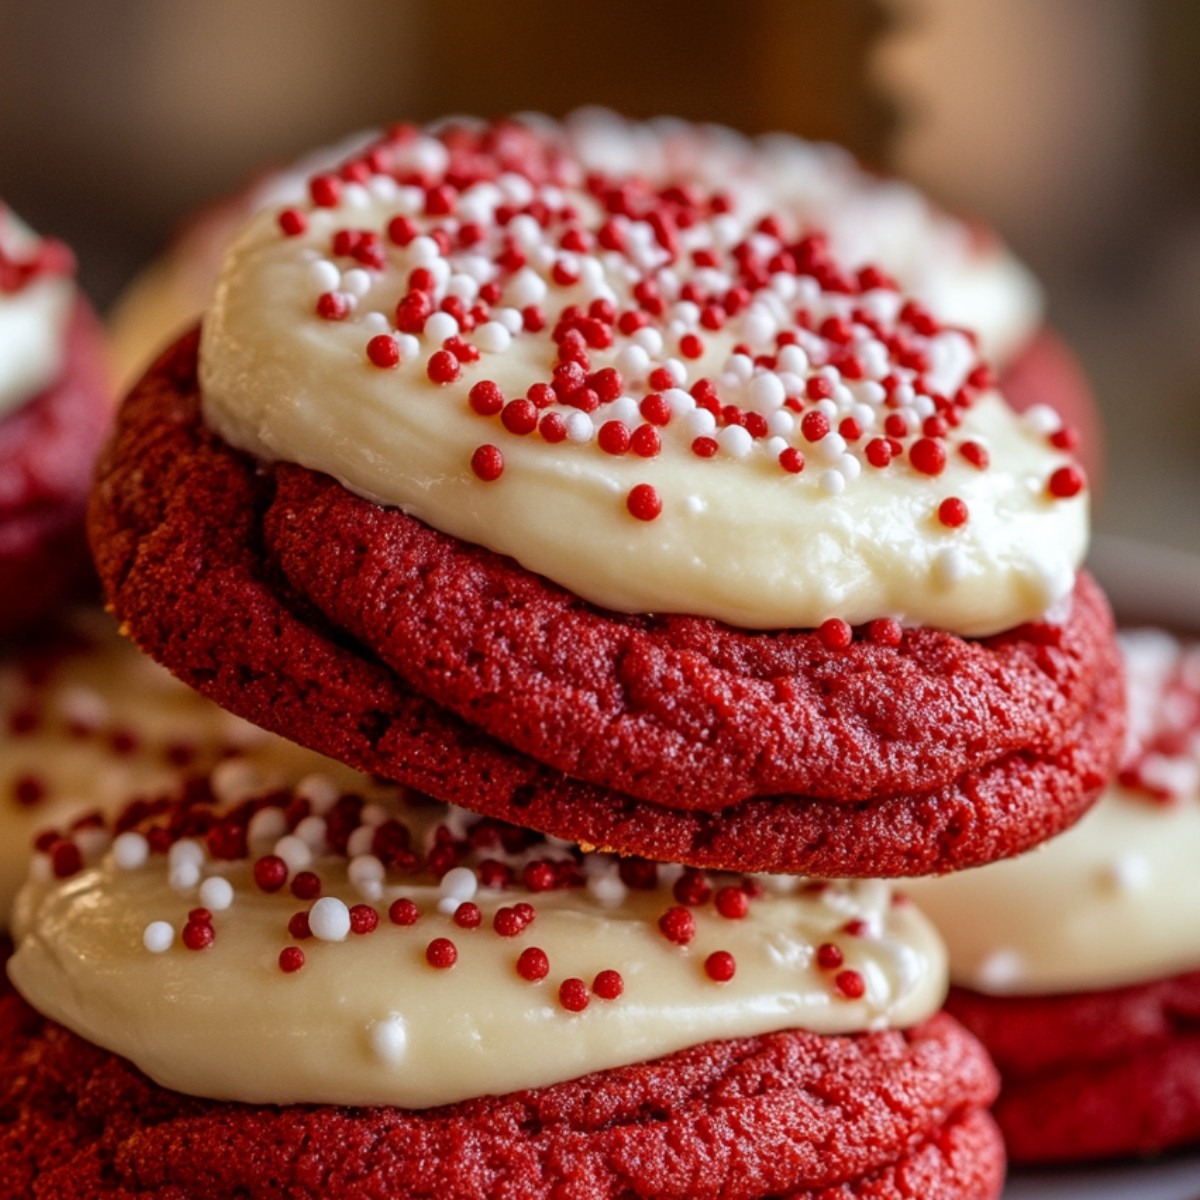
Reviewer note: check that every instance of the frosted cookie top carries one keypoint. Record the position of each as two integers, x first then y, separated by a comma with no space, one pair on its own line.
664,398
962,272
1116,899
36,294
333,941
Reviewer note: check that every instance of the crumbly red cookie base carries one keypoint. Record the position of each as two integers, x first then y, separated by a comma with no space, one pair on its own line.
177,529
1093,1075
47,451
888,1116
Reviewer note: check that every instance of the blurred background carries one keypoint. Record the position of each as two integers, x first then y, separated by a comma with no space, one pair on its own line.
1072,126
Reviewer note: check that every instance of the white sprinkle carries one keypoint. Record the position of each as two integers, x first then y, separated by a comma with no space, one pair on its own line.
329,919
700,423
158,936
776,446
832,482
360,841
518,191
410,347
850,467
740,366
876,364
784,285
694,504
843,397
312,830
41,870
1178,776
440,326
186,850
624,408
579,427
1041,419
459,883
1127,872
423,250
1000,971
865,415
949,566
781,423
633,362
376,322
266,826
477,267
325,275
388,1038
83,706
681,402
216,893
830,448
184,876
649,339
924,406
510,318
759,326
384,188
828,408
766,392
354,195
607,890
735,441
465,287
687,312
357,282
365,869
903,393
793,360
294,851
130,850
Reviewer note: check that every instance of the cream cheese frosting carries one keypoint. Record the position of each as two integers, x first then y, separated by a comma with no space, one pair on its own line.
35,304
1116,899
961,272
235,1002
90,721
806,427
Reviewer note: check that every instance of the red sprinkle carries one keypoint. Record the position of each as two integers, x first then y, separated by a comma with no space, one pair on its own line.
814,425
704,447
292,222
306,885
198,935
886,631
573,995
520,417
299,927
850,984
644,502
608,985
403,912
441,953
614,438
690,346
720,966
533,964
443,367
975,454
488,463
507,922
332,306
363,919
325,190
1066,482
791,460
829,956
879,452
467,915
928,456
645,441
835,634
486,398
732,903
291,959
692,888
952,512
270,872
65,859
678,926
383,351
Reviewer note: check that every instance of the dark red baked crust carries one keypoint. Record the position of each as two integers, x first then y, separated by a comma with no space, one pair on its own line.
1093,1075
177,526
48,448
886,1115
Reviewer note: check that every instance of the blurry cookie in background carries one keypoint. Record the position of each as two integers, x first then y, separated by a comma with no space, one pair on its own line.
55,405
1078,965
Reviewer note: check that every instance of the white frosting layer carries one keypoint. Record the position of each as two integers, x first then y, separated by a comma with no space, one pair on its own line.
368,1020
33,322
1116,899
739,538
92,726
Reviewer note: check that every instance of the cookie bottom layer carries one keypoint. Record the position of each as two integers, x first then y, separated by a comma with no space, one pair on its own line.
890,1116
1093,1075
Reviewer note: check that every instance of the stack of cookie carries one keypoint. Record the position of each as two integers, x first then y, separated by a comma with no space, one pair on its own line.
662,554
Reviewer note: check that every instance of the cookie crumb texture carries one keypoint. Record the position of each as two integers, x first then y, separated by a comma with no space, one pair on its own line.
195,547
47,448
888,1116
1093,1075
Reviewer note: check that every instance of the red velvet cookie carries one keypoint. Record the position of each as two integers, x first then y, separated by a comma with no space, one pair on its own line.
891,1116
47,450
183,530
1092,1075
